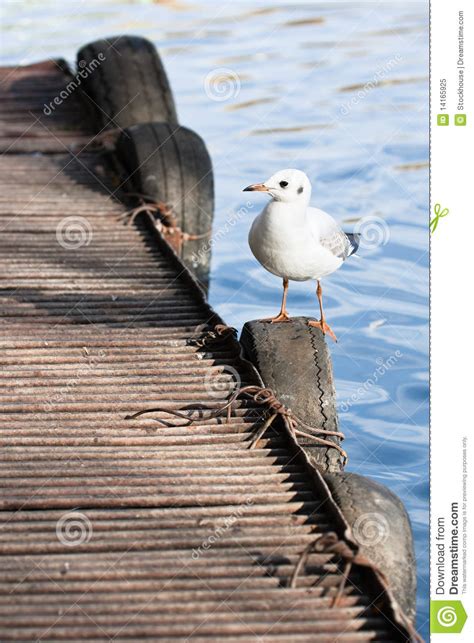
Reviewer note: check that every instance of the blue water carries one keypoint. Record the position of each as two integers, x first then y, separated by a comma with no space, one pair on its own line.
295,97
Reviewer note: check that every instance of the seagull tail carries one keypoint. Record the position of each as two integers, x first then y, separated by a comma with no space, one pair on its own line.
354,238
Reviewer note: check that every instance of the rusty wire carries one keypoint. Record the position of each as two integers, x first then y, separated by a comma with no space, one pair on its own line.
103,141
219,334
330,543
263,397
167,224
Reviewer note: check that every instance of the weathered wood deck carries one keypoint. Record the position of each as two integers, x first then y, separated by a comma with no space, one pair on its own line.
181,532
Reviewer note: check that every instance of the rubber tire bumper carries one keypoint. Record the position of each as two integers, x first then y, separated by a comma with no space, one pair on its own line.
124,82
171,164
381,526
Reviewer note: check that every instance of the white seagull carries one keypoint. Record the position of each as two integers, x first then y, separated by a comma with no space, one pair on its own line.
297,242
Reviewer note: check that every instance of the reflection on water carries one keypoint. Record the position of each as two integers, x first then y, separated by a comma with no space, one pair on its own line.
303,22
284,130
302,100
381,83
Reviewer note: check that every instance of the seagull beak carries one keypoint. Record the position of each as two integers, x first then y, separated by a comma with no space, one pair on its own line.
256,187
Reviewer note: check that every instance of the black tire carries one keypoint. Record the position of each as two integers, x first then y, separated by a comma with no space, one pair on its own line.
125,83
294,362
171,164
381,527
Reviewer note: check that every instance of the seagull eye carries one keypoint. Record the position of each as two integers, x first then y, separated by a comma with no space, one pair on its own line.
283,184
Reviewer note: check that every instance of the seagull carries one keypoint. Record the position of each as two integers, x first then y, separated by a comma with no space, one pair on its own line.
297,242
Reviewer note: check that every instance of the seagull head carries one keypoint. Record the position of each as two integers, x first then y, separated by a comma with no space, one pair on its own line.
289,186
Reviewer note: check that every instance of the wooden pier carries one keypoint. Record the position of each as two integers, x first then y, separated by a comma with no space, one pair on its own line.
131,529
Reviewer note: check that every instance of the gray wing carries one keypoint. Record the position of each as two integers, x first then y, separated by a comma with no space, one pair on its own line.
329,234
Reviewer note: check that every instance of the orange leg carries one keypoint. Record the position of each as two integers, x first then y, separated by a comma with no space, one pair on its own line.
282,315
321,324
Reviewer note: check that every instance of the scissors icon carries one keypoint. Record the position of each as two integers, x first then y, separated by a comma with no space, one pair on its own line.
438,215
